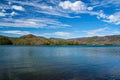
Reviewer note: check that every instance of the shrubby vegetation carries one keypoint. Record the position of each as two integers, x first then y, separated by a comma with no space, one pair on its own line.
36,40
5,40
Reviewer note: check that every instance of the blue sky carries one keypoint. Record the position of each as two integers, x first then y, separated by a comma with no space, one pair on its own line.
60,18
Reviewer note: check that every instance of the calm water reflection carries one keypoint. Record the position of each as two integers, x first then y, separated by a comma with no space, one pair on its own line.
59,63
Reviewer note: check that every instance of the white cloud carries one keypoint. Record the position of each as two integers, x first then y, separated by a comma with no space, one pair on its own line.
81,7
59,8
9,3
4,6
45,9
102,32
59,34
3,10
96,32
34,4
62,33
2,14
101,14
16,32
114,18
90,8
55,13
105,3
32,23
75,6
20,8
13,13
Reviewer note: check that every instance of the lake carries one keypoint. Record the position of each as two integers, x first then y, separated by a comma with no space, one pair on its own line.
59,63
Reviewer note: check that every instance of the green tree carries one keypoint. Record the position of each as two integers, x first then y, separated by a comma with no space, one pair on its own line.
5,40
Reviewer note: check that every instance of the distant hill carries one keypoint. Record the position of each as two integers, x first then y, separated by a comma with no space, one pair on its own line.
39,40
96,40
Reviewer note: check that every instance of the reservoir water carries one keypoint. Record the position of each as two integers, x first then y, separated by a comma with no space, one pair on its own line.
59,63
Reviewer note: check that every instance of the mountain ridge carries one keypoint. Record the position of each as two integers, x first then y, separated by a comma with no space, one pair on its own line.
31,39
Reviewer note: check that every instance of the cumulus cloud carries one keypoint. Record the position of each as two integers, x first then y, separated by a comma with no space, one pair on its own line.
81,7
19,8
76,6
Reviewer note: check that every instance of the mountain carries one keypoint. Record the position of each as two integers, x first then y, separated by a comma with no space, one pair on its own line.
30,40
28,36
96,40
39,40
31,36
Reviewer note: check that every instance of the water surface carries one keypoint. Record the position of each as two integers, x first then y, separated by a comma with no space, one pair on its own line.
59,63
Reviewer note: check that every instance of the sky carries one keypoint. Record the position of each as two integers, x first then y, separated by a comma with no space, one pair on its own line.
60,18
